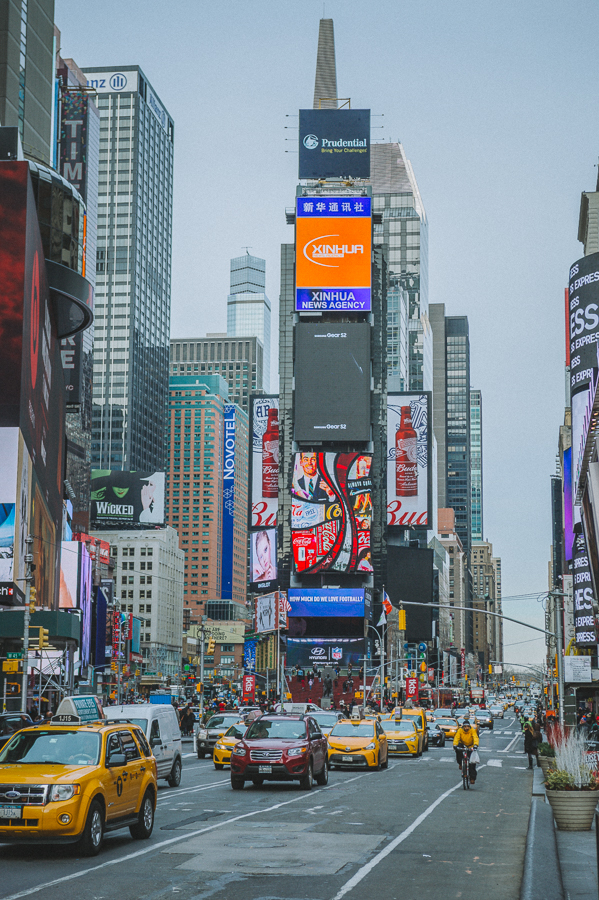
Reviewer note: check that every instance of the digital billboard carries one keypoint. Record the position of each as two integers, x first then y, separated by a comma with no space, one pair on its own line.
331,512
333,249
332,382
266,613
85,604
410,577
583,290
126,499
329,602
321,651
7,541
409,459
68,595
264,462
585,629
334,143
228,522
263,560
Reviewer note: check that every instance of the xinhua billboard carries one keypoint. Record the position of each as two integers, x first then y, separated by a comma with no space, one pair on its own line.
333,249
334,143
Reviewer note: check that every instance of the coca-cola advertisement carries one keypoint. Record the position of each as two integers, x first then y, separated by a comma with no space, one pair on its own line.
409,459
331,512
264,462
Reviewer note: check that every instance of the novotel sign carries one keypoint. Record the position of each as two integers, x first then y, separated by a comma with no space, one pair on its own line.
228,522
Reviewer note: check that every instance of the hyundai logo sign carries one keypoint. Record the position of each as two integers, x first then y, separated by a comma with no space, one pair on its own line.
118,82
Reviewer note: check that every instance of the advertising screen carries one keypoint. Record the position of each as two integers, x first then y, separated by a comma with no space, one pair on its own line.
409,459
332,382
322,602
583,290
331,512
126,499
85,604
263,560
7,541
266,613
334,143
410,577
567,481
264,462
333,244
325,651
68,596
230,423
585,629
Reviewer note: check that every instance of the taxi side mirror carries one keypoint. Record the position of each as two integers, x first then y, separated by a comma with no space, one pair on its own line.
116,759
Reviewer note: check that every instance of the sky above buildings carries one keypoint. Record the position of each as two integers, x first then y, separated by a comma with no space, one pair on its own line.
496,107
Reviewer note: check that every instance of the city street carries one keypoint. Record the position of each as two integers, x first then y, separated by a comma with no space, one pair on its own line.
405,832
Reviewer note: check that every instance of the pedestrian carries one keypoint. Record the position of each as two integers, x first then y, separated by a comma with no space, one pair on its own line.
522,721
531,745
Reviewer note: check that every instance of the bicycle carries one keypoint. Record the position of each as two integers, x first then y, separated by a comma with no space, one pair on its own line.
466,751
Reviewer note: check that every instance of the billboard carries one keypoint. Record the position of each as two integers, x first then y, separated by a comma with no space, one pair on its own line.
7,541
583,291
263,560
320,651
264,462
228,524
329,602
585,629
126,499
112,82
410,577
68,594
331,512
266,613
85,604
567,485
409,459
333,249
332,382
334,143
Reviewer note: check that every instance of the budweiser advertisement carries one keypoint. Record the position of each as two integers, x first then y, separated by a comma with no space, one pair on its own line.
331,512
409,459
264,462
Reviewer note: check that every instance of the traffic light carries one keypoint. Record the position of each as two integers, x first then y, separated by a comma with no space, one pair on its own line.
32,599
490,669
199,687
211,646
401,620
44,638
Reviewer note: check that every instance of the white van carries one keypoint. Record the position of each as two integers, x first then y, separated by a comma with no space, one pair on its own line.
161,727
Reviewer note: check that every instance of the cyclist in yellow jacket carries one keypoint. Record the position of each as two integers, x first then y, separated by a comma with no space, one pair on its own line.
466,736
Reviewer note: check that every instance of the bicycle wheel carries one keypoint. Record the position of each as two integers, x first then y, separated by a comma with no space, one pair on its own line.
465,775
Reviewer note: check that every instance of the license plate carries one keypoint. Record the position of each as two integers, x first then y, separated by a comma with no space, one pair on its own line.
265,770
347,758
10,812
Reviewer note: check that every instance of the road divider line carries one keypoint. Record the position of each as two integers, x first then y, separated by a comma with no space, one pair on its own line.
510,745
365,870
27,892
205,787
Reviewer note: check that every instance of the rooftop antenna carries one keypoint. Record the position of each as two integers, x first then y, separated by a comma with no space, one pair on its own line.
247,249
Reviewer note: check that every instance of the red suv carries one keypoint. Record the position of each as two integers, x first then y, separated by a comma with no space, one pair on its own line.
280,748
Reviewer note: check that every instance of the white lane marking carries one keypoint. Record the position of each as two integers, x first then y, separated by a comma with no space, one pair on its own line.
510,745
498,763
365,870
166,843
187,755
169,798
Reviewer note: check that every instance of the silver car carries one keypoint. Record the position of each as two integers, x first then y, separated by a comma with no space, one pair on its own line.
496,712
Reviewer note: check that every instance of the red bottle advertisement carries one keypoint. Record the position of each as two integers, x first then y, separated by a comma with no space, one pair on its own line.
406,456
270,455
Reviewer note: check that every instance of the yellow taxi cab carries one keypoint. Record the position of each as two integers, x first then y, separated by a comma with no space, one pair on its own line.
358,742
402,737
224,745
418,717
74,779
430,716
449,726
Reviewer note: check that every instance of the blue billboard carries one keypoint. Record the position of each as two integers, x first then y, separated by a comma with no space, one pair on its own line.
228,502
329,603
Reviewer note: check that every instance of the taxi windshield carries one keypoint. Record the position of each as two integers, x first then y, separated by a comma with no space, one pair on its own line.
236,731
325,720
446,722
215,721
276,729
60,748
348,729
399,725
413,717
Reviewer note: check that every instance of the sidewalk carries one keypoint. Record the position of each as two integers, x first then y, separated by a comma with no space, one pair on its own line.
577,853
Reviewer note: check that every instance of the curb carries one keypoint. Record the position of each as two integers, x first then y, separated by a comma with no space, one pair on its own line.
542,877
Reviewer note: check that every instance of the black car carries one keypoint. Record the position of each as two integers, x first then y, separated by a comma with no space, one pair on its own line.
436,735
10,723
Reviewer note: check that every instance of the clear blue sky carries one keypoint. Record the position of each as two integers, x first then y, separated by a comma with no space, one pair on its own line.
495,106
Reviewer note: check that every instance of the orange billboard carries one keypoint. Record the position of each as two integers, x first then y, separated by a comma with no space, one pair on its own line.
333,262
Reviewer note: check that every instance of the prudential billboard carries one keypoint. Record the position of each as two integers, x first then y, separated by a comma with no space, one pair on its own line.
334,143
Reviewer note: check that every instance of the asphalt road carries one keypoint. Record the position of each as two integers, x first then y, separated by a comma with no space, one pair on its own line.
408,832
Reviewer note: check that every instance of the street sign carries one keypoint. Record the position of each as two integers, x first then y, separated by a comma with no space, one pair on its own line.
15,655
421,647
10,665
412,688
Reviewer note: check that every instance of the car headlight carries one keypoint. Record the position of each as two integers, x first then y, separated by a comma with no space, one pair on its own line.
370,746
202,734
219,746
63,791
297,751
239,751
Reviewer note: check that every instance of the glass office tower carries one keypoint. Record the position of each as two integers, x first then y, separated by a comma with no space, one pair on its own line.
133,280
459,488
476,463
248,307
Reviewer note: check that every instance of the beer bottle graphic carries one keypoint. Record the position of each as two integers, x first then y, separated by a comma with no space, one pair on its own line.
406,459
270,455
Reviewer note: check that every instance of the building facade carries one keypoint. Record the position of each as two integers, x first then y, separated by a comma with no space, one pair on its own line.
476,464
240,362
133,266
248,307
488,633
458,578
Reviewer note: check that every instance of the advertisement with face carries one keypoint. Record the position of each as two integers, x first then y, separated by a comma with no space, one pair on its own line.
126,499
263,560
331,512
333,254
266,613
325,652
264,462
409,459
334,143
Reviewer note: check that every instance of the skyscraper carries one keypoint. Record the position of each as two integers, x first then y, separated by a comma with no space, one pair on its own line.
239,361
27,73
133,282
325,83
476,463
248,307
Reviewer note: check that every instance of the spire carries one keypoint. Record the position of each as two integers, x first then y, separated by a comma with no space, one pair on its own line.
325,85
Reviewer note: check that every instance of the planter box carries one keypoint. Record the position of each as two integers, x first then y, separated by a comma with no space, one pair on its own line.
545,763
573,810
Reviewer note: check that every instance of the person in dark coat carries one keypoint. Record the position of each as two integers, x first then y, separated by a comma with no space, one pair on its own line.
531,744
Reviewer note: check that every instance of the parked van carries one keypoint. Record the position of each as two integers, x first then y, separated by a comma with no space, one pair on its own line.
161,727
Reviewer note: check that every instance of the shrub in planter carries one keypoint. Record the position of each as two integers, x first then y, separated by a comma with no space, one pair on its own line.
572,789
546,750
